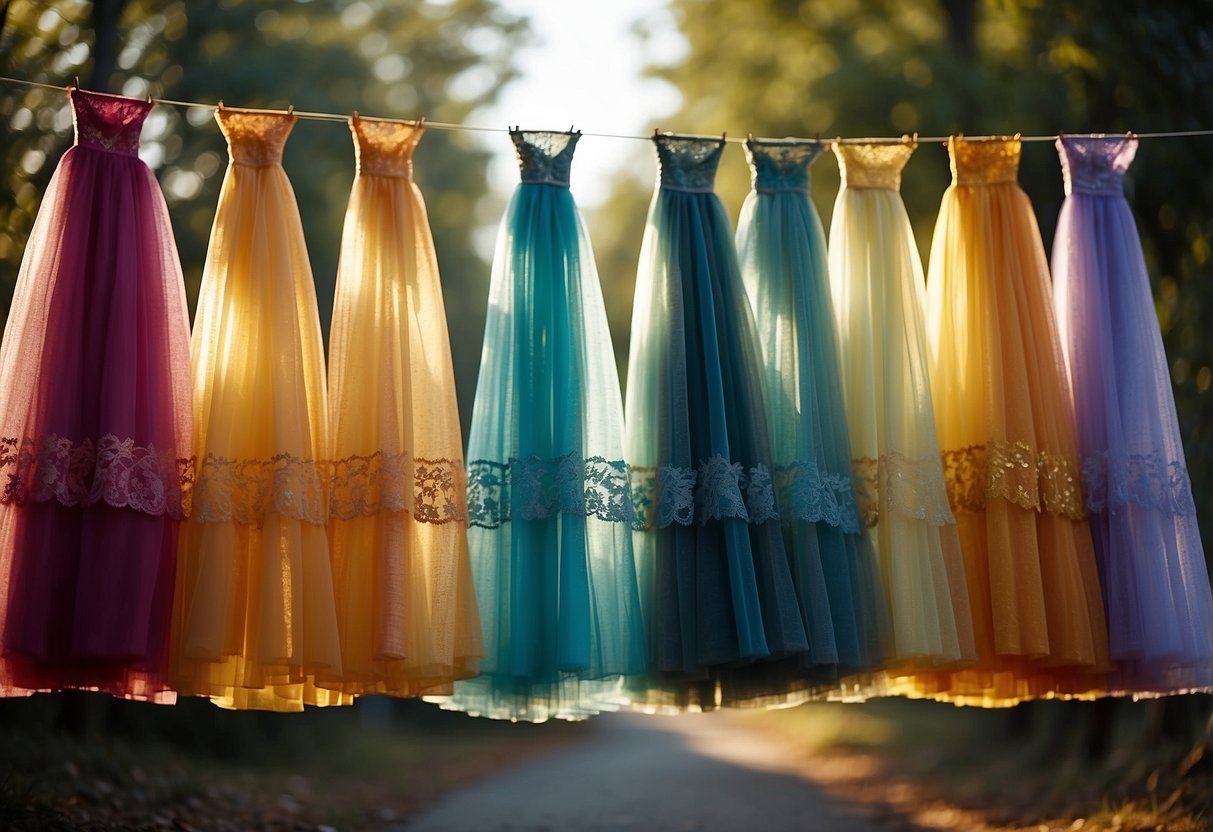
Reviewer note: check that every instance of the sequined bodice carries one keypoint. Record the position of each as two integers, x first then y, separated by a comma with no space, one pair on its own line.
108,122
254,139
686,163
545,158
385,148
781,165
1096,165
876,165
984,162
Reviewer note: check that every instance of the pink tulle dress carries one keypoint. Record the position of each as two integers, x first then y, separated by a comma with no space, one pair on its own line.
94,423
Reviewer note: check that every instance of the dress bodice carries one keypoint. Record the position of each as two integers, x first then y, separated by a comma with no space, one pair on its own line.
254,139
985,161
385,148
544,157
1096,164
108,122
781,165
874,165
687,163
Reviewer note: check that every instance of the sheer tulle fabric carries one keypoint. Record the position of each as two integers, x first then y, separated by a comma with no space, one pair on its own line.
1155,582
878,295
716,583
782,250
1006,428
94,423
406,609
550,509
254,621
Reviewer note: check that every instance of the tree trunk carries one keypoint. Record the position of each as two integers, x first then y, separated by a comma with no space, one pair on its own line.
962,26
106,14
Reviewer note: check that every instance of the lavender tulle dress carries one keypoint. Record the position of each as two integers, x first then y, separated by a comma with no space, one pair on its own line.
1143,520
94,423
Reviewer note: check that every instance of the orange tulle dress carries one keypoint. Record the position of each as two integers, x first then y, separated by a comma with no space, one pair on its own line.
1006,431
406,607
253,618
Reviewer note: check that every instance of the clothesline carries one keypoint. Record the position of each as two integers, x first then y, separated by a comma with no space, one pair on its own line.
440,125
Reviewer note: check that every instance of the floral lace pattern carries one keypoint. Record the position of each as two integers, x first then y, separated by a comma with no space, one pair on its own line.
781,165
1012,471
1096,164
254,139
432,490
108,122
687,163
985,161
115,471
716,489
545,158
913,487
876,165
384,147
1114,480
536,488
807,493
246,490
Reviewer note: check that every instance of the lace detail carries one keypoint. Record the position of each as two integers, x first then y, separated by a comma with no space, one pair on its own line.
433,490
876,165
385,148
781,165
1097,164
914,487
254,139
687,163
545,158
717,488
1116,480
108,122
984,162
536,488
1012,471
805,493
114,471
246,490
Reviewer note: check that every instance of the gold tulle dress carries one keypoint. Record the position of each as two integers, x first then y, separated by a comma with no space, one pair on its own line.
254,620
406,607
1007,433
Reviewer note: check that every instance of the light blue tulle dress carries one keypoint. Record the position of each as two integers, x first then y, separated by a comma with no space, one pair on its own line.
550,509
782,249
724,618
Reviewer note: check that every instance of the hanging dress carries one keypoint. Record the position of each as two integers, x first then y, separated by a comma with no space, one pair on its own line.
549,505
877,288
406,610
1143,520
94,423
782,249
254,620
716,584
1005,425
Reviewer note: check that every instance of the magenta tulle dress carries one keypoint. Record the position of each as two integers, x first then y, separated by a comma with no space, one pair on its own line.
1143,519
94,423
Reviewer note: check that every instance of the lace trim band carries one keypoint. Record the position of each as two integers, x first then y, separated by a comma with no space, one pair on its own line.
431,489
1013,471
895,482
806,493
536,488
1114,480
246,490
111,470
715,489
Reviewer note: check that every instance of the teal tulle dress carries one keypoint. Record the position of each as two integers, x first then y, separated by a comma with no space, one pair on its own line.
722,611
550,509
782,249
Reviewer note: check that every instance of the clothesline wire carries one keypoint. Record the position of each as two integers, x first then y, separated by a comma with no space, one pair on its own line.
442,125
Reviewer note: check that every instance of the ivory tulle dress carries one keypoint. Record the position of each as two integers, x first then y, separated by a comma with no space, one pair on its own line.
94,423
1007,433
878,294
1155,583
716,583
550,509
254,620
406,609
782,249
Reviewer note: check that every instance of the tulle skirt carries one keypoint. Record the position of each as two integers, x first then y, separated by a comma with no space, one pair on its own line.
550,508
406,609
94,436
716,582
1155,582
1007,433
254,622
